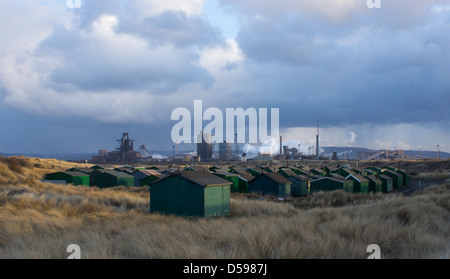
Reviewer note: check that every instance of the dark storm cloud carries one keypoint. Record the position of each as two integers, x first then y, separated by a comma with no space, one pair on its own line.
360,70
2,92
120,61
170,26
179,29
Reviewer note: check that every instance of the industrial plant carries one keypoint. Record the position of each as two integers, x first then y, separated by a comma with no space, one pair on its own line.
231,152
124,153
193,188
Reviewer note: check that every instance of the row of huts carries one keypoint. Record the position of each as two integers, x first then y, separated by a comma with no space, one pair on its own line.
104,178
206,192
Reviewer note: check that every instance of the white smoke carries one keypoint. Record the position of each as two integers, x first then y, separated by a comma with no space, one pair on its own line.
158,156
267,148
272,147
352,137
303,147
192,153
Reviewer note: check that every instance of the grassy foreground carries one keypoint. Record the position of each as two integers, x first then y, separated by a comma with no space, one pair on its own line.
39,220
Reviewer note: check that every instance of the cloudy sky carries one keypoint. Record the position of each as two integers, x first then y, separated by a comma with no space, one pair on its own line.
72,80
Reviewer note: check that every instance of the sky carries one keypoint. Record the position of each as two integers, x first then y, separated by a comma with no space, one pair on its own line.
73,79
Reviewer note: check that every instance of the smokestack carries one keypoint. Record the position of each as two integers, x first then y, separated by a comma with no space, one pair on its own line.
237,144
437,152
317,141
281,145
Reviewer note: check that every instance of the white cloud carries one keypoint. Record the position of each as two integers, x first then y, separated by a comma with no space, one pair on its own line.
216,59
367,72
147,8
97,73
352,138
373,136
335,10
381,145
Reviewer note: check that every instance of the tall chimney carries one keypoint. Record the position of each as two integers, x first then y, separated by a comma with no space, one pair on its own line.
281,145
237,144
317,141
437,152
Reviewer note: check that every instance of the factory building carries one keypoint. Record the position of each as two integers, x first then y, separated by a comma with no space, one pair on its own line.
204,146
225,151
124,153
379,155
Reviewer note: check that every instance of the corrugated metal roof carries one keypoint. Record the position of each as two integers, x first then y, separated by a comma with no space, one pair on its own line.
76,173
385,177
303,177
350,171
126,169
86,170
204,178
291,173
150,172
276,177
358,177
318,170
392,172
226,173
240,171
221,169
314,176
373,178
115,173
246,177
340,179
255,170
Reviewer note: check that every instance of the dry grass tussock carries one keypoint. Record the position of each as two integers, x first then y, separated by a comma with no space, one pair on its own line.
39,220
433,175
